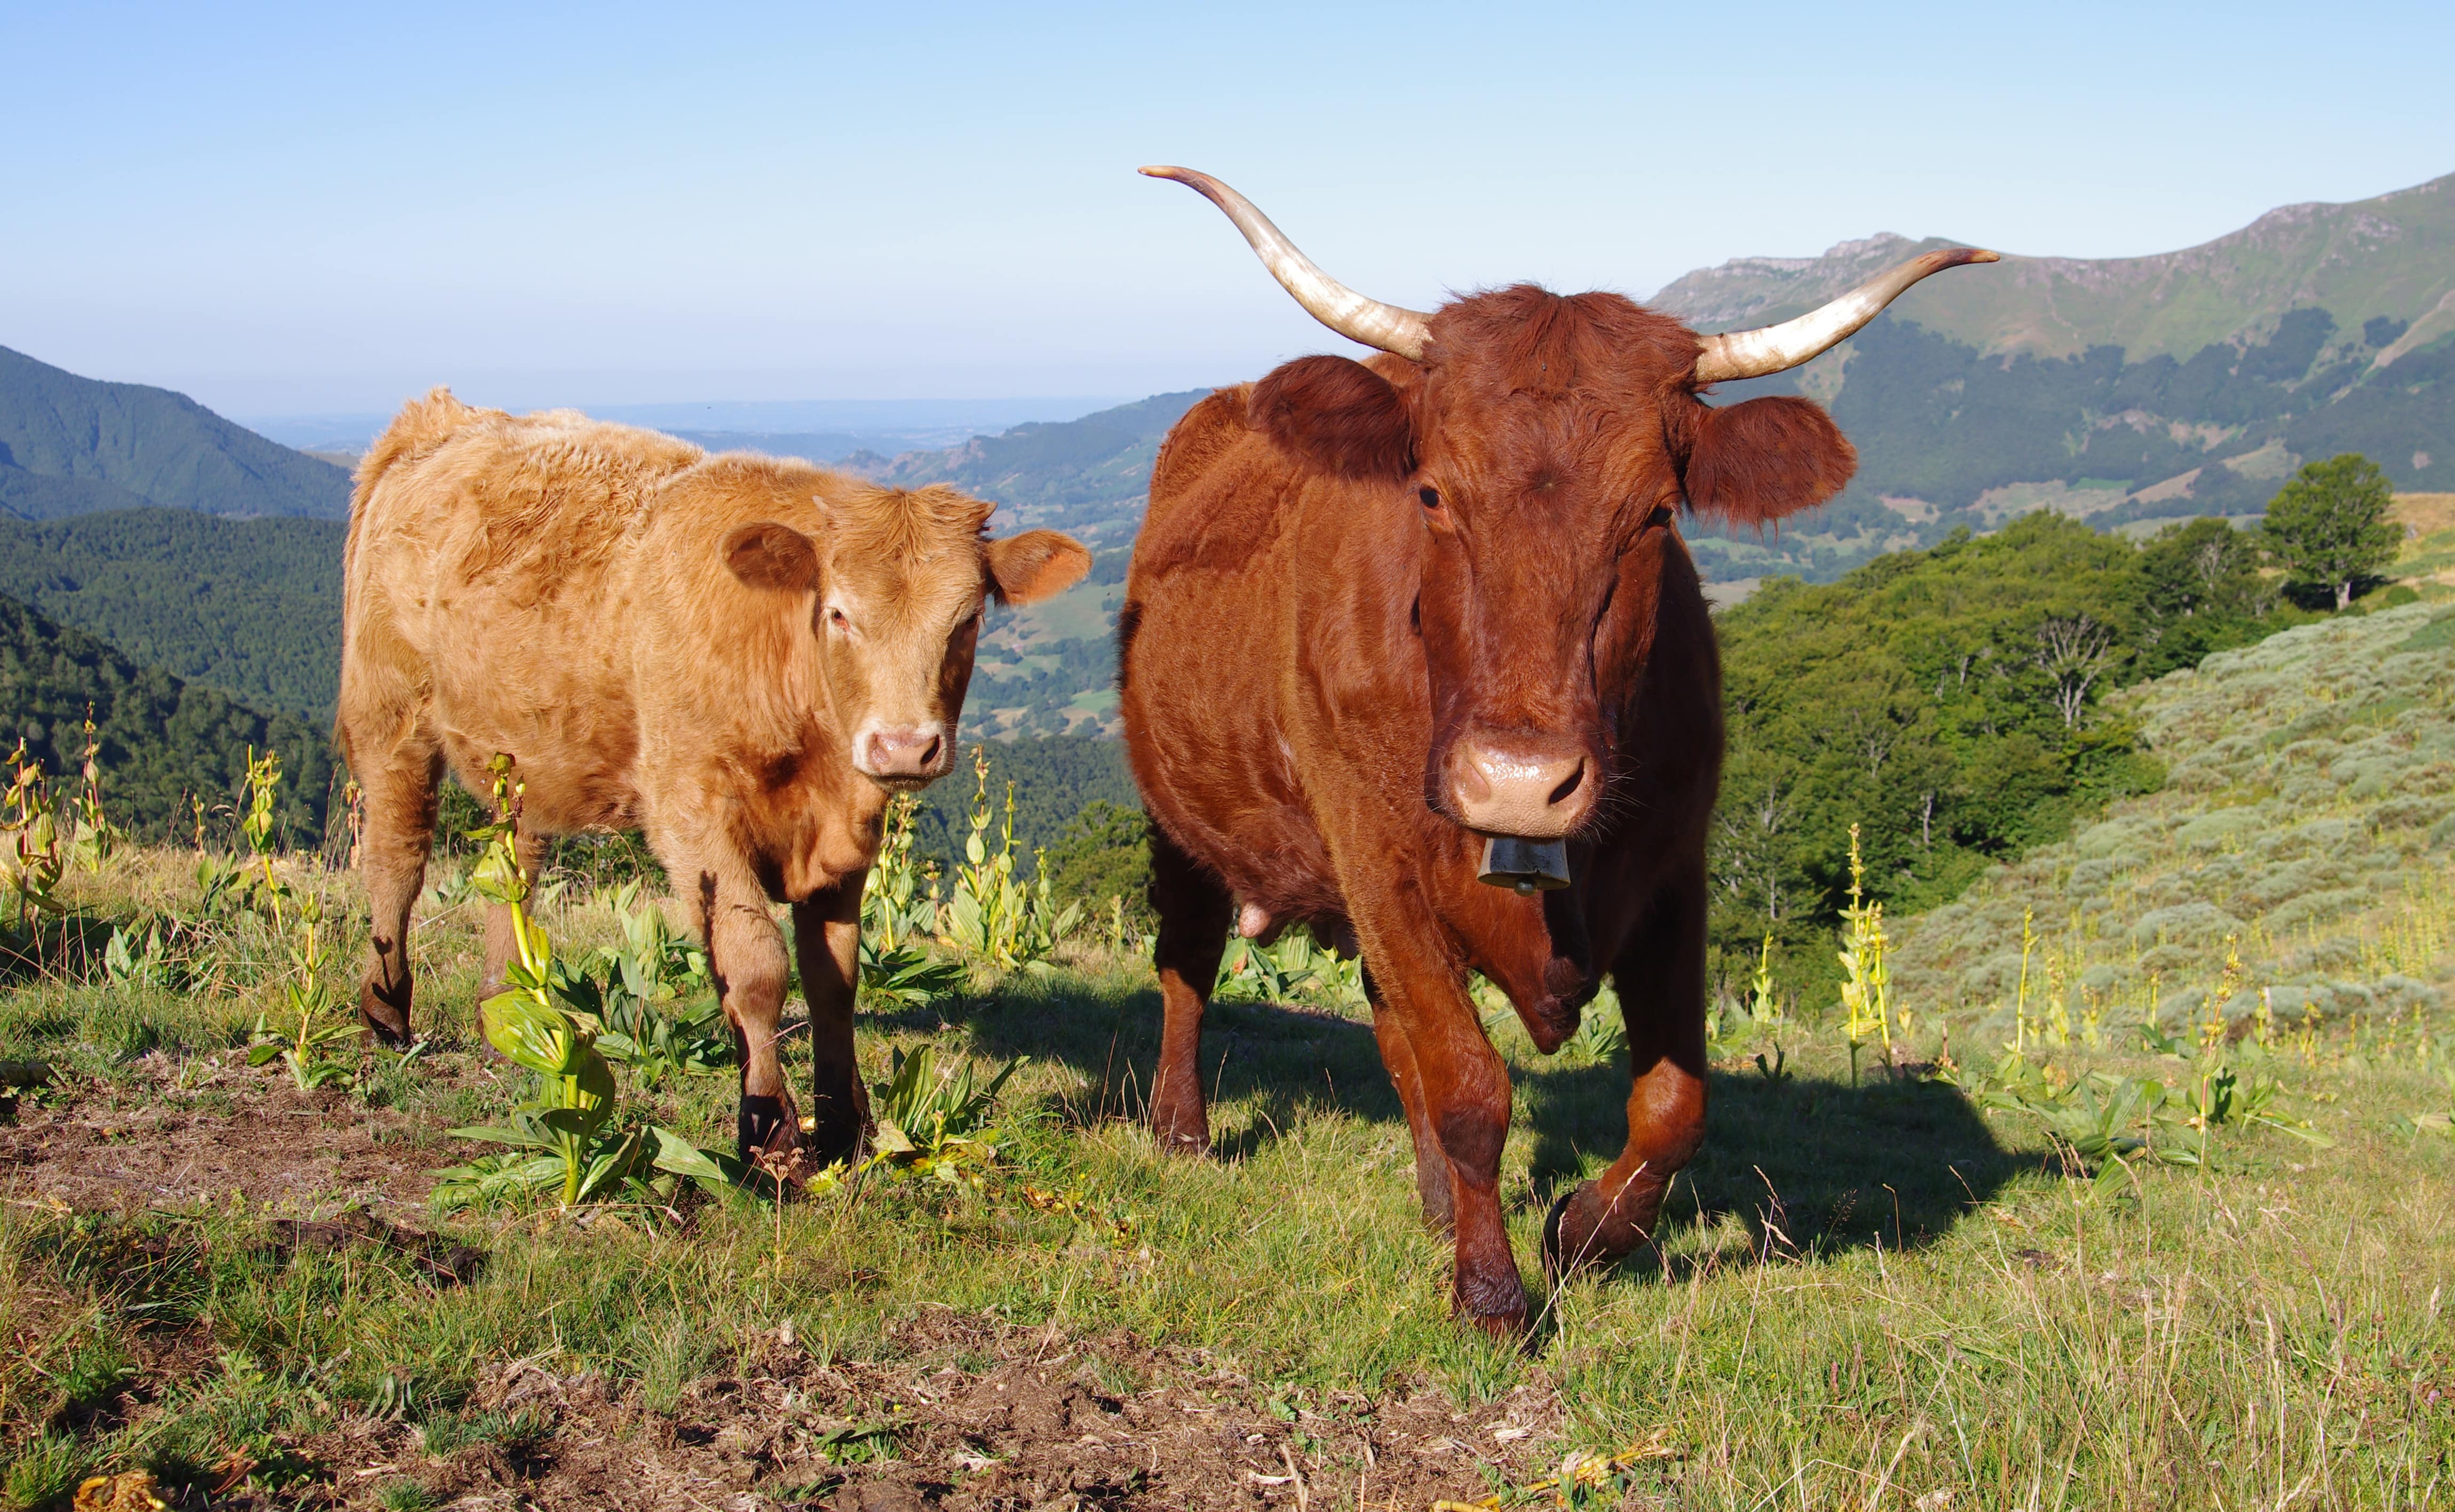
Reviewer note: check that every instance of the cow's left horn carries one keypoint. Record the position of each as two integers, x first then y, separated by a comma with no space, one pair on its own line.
1776,348
1392,328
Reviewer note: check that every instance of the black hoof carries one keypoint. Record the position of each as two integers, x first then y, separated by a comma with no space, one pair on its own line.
832,1142
1553,1258
764,1125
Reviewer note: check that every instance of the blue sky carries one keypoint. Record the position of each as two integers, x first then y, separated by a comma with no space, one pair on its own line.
316,209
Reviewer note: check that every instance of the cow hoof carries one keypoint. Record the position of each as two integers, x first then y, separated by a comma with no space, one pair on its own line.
1191,1146
826,1144
1494,1301
381,1021
1507,1324
1551,1253
766,1127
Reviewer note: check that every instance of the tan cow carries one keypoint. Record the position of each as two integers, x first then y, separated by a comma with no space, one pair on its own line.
743,656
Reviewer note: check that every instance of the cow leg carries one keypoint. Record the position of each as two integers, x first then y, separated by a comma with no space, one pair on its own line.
400,790
529,847
1432,1165
826,941
745,951
1465,1090
1193,912
1660,974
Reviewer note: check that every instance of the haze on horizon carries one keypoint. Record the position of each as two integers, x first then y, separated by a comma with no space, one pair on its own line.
286,210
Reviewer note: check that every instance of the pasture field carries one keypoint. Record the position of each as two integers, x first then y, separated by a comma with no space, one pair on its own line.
1906,1292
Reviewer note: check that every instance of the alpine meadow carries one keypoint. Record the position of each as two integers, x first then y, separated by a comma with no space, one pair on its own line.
2078,924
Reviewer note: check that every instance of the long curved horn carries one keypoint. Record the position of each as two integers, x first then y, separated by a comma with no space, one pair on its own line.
1392,328
1775,349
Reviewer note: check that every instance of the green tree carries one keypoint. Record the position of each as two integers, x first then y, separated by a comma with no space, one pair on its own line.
2329,525
1103,853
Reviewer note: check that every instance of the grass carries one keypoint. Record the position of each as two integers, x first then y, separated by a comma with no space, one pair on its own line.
1874,1294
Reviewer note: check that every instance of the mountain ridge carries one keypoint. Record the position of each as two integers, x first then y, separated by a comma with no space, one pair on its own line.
2390,256
74,444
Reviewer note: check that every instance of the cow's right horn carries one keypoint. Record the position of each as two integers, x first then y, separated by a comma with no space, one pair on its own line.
1777,349
1392,328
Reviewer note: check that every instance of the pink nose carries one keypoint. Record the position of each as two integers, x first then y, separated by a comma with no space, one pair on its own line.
1532,786
904,752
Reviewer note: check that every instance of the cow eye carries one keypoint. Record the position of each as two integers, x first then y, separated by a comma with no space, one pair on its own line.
836,617
1431,498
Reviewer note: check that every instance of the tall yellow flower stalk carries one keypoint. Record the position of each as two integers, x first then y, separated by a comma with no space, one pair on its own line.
1867,979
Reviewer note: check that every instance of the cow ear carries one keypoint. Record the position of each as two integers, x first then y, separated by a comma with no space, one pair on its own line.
1035,565
1755,462
1338,414
766,554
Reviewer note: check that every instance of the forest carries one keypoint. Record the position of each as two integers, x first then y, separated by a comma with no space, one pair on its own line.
173,753
249,606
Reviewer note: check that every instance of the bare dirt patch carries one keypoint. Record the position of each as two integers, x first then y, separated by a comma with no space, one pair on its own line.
280,1149
1032,1425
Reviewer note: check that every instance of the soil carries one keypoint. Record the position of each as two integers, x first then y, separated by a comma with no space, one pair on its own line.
969,1414
1035,1430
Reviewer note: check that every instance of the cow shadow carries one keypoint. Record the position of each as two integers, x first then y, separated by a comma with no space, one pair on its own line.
1275,1064
1801,1164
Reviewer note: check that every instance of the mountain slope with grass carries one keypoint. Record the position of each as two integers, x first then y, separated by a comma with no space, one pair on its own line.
165,743
71,445
2299,861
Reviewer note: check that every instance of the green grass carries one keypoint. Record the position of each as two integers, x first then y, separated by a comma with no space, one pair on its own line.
1857,1285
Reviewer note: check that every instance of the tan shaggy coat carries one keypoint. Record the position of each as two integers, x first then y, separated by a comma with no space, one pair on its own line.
742,655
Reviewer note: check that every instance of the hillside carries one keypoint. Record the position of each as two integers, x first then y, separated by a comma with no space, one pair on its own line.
2303,828
250,607
71,445
165,742
1088,476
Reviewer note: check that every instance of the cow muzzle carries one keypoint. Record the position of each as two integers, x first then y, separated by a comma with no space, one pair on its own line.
1521,786
902,758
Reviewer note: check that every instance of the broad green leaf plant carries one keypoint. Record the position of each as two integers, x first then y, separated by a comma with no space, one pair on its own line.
570,1122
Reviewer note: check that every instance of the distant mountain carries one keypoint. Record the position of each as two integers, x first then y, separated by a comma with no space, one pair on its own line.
1088,476
2124,390
251,607
73,446
2389,260
166,742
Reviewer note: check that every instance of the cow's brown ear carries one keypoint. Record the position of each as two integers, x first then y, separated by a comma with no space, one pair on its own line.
766,554
1035,565
1755,462
1339,415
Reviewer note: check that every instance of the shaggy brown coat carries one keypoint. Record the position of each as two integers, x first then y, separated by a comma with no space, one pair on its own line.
743,656
1418,565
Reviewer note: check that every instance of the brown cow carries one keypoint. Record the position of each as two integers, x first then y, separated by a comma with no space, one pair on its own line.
743,657
1468,640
